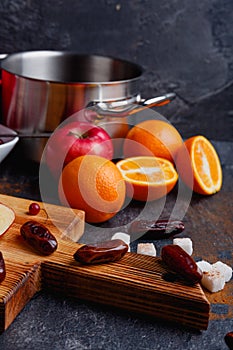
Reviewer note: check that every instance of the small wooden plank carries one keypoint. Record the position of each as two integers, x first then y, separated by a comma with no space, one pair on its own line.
58,217
134,283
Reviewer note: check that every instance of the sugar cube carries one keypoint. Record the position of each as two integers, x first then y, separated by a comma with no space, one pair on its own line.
123,236
204,265
224,269
213,280
214,275
184,243
146,249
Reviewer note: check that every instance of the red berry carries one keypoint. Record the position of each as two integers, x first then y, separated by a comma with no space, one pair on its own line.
34,209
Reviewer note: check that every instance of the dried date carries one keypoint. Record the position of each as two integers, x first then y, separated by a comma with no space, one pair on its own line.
2,268
181,262
229,340
159,229
103,252
39,237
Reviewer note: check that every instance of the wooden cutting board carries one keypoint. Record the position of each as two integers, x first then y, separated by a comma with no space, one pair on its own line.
135,283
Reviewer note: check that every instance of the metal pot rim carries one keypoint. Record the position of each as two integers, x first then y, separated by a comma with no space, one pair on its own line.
13,63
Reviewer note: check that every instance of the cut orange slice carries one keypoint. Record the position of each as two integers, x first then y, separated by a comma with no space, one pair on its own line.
204,163
147,178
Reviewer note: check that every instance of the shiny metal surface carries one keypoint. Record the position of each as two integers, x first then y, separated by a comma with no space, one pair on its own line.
70,67
40,89
129,107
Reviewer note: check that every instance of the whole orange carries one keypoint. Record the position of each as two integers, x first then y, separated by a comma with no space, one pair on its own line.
153,137
93,184
117,128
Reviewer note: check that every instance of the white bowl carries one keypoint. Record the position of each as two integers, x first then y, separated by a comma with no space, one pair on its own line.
9,142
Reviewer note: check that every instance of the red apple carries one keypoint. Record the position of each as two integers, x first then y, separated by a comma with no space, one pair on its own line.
73,140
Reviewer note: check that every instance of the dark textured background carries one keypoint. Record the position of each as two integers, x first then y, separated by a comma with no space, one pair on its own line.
184,46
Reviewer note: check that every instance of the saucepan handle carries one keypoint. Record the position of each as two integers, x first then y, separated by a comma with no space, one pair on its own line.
159,100
129,106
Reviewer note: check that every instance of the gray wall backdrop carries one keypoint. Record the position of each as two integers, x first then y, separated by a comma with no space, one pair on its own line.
185,46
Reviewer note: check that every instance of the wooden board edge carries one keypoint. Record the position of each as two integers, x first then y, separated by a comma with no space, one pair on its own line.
28,284
119,294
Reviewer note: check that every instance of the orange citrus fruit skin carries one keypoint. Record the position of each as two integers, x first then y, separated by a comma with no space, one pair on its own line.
199,166
117,128
147,178
93,184
153,137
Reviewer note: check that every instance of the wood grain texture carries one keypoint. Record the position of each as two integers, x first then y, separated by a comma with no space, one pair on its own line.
209,223
134,283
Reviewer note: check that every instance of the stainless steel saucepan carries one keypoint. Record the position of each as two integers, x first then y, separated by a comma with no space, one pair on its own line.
40,89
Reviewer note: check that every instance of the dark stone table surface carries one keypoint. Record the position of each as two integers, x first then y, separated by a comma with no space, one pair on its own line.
50,322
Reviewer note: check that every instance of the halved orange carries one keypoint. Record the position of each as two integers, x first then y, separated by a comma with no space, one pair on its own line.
203,165
147,177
